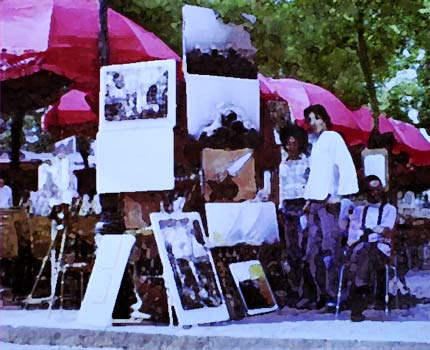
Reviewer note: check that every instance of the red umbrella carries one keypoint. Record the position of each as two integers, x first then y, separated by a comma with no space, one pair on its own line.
61,36
70,113
409,139
354,125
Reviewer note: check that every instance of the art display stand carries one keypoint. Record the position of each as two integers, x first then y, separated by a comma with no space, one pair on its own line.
57,266
105,280
137,117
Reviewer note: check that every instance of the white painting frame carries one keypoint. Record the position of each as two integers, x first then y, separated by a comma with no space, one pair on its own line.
162,233
241,271
137,78
375,162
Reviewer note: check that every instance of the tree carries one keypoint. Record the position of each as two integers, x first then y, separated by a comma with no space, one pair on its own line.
32,138
352,48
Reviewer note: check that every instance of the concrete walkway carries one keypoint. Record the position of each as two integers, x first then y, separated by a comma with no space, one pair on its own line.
272,331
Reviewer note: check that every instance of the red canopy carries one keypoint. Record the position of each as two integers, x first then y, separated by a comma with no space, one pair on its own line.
61,36
354,125
409,139
71,115
72,108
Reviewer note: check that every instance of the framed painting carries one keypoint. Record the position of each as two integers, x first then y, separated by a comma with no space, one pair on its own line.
208,96
229,176
375,162
253,287
188,268
138,95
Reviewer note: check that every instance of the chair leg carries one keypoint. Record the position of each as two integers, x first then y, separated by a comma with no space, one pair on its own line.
339,290
63,274
387,280
396,279
82,286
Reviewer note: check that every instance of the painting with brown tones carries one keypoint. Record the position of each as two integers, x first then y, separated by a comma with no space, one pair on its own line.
229,175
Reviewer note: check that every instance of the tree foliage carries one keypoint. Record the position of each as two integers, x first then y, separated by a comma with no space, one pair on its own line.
33,138
317,41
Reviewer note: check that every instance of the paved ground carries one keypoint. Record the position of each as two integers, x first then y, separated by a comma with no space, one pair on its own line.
407,329
10,346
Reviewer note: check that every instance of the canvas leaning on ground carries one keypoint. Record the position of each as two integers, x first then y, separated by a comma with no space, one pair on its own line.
189,270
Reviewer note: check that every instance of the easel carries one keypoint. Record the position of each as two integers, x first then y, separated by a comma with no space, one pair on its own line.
56,266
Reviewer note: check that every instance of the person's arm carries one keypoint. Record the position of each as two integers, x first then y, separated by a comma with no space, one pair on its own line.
10,199
388,220
348,183
355,231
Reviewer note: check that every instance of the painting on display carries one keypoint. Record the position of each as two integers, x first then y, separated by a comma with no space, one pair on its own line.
209,96
375,162
253,223
229,175
212,47
253,287
138,94
189,270
66,146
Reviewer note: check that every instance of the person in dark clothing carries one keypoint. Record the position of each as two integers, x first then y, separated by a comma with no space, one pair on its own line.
369,239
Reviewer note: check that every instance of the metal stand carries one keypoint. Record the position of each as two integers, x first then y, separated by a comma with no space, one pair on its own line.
55,269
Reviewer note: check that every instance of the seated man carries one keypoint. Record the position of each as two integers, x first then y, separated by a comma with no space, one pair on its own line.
369,238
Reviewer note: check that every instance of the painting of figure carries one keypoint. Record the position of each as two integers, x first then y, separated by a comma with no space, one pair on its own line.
188,266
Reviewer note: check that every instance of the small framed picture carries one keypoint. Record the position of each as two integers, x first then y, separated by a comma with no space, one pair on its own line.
253,287
375,162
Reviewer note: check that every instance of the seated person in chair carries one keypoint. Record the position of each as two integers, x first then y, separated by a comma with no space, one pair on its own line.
369,238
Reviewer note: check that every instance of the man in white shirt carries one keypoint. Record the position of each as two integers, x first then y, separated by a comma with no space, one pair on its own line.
5,195
332,175
369,238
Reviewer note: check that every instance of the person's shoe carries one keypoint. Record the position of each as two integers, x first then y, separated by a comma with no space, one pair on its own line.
322,302
330,306
357,317
302,303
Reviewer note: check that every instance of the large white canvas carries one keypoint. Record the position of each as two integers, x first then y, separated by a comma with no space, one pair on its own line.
105,280
175,245
135,160
207,94
136,78
252,223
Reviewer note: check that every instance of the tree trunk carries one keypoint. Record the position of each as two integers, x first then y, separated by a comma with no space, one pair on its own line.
366,67
103,34
16,133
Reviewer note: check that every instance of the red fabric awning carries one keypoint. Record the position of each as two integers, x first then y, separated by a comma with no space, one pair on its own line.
61,36
72,108
409,139
354,125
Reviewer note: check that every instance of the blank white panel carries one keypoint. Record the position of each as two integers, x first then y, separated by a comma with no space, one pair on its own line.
135,160
105,280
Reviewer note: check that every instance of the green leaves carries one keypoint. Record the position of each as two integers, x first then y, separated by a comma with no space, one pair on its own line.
320,37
